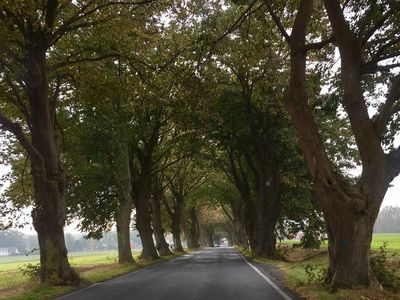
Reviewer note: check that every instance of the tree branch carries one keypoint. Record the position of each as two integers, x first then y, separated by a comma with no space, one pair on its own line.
17,131
383,117
277,21
81,60
370,32
319,45
84,12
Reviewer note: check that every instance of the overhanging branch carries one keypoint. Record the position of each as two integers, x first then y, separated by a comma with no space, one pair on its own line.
17,131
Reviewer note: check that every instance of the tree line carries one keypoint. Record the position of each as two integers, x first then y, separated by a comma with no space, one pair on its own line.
27,244
388,220
235,118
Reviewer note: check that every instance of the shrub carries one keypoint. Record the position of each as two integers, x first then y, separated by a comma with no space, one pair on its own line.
30,270
316,274
384,275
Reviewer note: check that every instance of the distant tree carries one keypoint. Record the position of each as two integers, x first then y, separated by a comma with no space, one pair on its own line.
12,238
388,220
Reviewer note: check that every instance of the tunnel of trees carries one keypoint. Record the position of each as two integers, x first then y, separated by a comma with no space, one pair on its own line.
249,120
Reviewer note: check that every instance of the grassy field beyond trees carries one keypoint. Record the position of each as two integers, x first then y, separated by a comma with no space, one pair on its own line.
93,266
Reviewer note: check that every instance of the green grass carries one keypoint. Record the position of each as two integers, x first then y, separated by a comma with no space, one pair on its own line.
44,292
11,275
297,279
108,273
392,239
92,267
9,263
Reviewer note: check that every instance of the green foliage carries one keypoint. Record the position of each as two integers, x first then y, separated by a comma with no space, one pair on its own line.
382,271
30,270
316,274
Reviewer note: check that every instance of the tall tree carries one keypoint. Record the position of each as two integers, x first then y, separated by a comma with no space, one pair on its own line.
364,40
30,31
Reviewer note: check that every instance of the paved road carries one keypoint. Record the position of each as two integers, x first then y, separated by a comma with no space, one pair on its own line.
210,274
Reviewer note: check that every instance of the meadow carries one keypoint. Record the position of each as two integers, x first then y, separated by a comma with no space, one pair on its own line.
308,283
378,239
92,266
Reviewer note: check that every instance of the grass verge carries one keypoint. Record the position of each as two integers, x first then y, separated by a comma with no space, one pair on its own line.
90,269
299,263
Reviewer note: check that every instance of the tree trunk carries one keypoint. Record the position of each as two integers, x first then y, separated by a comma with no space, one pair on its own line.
349,228
239,236
143,225
268,211
176,232
191,230
48,177
120,168
209,237
48,221
161,243
123,231
349,240
142,204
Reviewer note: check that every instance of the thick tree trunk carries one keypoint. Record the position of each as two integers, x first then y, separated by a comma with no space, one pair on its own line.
123,231
268,211
239,236
120,169
191,230
48,221
209,237
143,225
176,232
142,204
161,243
349,227
349,240
48,177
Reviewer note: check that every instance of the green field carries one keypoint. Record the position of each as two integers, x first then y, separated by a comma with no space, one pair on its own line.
9,263
393,240
10,275
92,267
378,239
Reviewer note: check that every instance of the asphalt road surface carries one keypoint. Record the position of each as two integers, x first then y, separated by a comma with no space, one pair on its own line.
219,273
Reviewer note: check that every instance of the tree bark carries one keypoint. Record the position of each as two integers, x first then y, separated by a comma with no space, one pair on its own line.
161,243
121,171
48,176
123,231
239,236
142,205
209,236
268,210
143,225
191,229
349,239
176,231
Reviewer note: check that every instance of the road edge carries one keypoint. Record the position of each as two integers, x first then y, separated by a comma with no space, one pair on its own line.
266,278
60,297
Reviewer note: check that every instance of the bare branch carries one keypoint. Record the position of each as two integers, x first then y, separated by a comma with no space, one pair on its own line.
370,32
394,162
277,21
80,60
319,45
383,117
16,129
